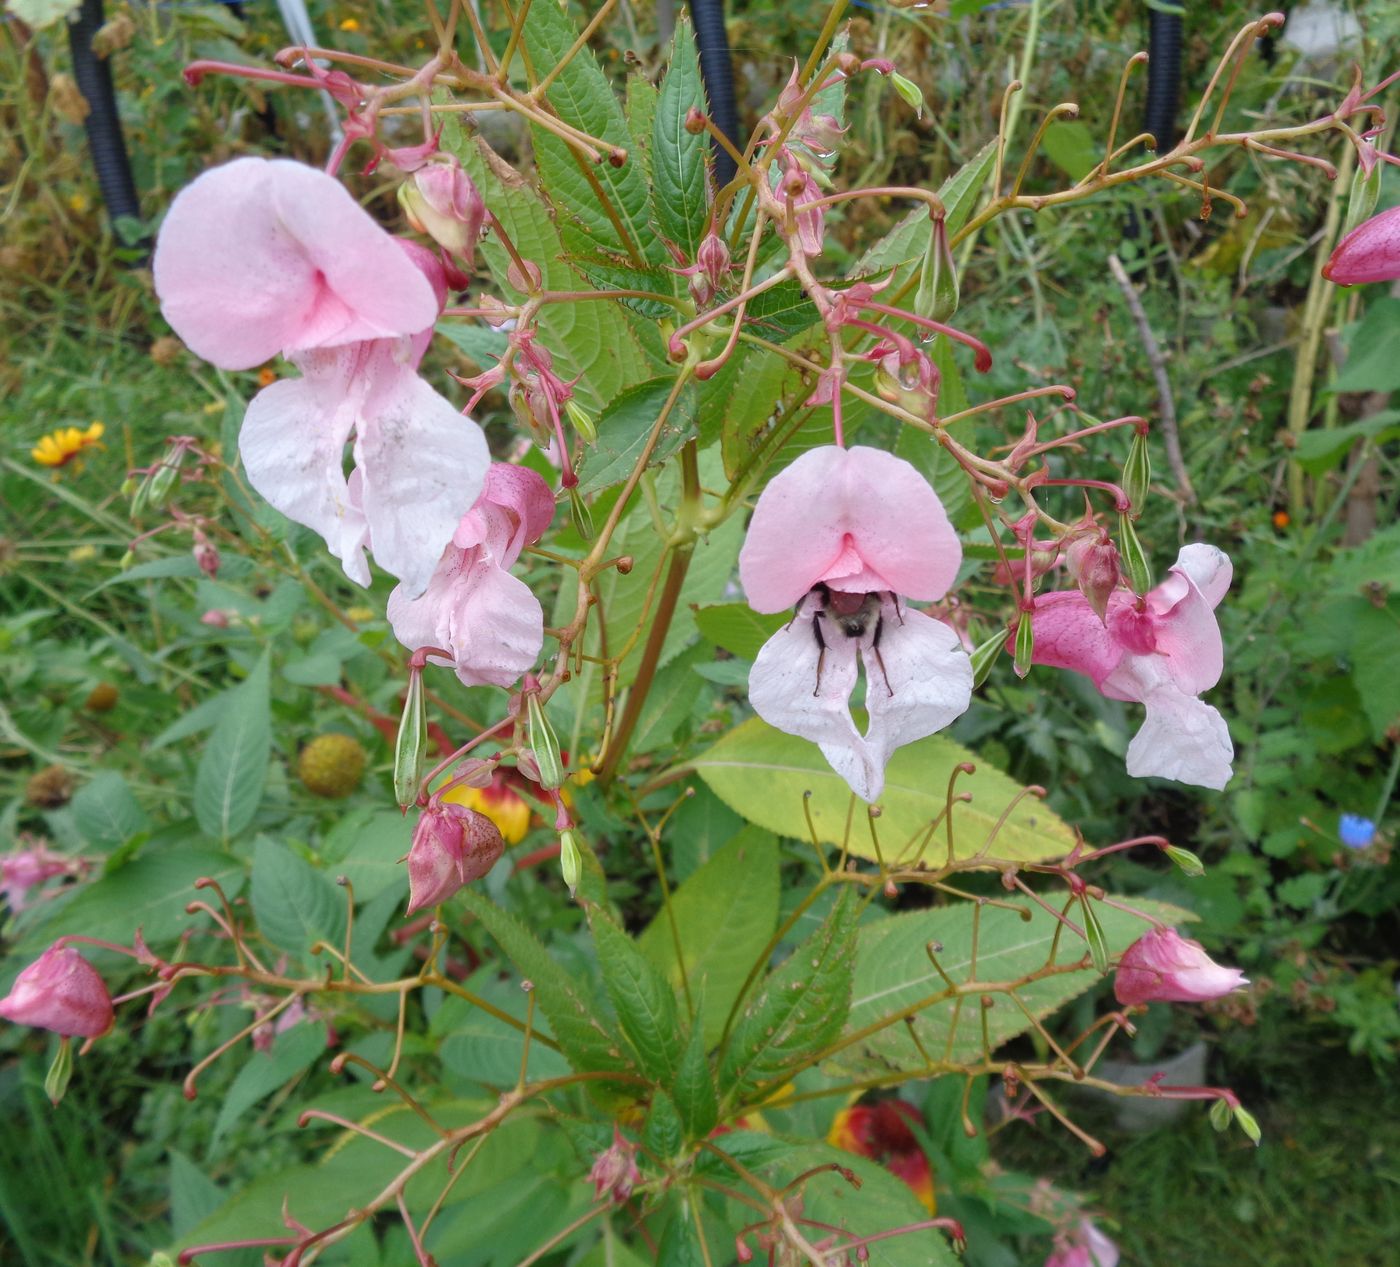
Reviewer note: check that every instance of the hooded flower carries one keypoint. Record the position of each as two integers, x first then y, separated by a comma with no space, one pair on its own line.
1369,253
473,606
265,256
452,846
1083,1246
1164,967
62,992
1161,651
843,533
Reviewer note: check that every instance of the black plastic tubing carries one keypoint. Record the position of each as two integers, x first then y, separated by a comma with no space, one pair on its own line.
1163,76
717,70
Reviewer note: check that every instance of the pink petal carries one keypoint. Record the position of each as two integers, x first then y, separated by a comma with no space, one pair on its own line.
860,518
423,464
1369,253
1164,967
263,256
1068,635
293,446
527,497
1182,739
919,682
785,691
1187,635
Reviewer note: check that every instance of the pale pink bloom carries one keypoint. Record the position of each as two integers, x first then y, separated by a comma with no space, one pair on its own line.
473,606
1369,253
27,869
802,191
452,846
1083,1246
259,257
843,533
1161,651
1164,967
442,202
62,992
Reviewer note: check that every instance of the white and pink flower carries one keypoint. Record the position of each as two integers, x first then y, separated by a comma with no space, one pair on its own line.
260,257
1162,651
845,534
1164,967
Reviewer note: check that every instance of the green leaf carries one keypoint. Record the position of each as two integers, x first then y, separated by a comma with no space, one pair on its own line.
894,973
475,1045
738,628
610,273
725,914
1323,448
678,157
694,1089
798,1011
193,1195
1375,652
739,402
233,770
366,847
1373,351
479,342
294,903
105,811
662,1133
782,311
581,1027
203,716
1071,147
762,774
644,1001
625,426
293,1052
582,97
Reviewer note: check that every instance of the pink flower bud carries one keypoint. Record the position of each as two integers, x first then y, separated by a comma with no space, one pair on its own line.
1369,253
62,992
1164,967
615,1172
215,618
27,869
713,258
206,554
1093,562
452,846
441,201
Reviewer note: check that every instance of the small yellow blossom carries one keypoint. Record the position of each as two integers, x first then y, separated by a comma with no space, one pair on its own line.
60,447
267,376
362,615
78,203
349,24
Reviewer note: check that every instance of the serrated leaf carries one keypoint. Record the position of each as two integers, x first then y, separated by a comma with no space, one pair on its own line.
679,158
738,628
293,1052
782,311
583,1030
105,811
798,1011
642,998
228,784
894,972
611,274
295,904
762,773
474,1044
662,1134
725,914
694,1089
625,426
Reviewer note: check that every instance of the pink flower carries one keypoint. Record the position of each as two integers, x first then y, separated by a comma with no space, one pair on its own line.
261,256
1164,967
1161,651
843,533
615,1172
452,846
441,201
62,992
1369,253
473,606
27,869
1083,1246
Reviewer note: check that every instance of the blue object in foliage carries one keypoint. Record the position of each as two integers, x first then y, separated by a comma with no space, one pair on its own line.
1356,832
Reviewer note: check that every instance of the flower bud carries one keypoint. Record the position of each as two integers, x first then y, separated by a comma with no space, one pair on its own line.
937,295
206,555
1093,562
582,420
1186,860
910,92
440,200
544,744
452,846
713,257
570,860
411,743
1164,967
615,1172
62,992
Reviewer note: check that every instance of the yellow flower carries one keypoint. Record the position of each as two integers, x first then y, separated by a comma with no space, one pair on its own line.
503,805
267,376
60,447
349,24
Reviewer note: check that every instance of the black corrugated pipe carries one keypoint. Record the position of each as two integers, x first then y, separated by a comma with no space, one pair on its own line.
1163,76
717,70
104,129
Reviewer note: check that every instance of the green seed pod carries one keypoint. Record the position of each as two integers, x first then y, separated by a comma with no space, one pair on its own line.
61,1071
1186,860
583,517
937,294
582,420
1093,934
1137,474
411,743
544,744
1025,645
986,655
570,860
1365,193
910,92
1134,559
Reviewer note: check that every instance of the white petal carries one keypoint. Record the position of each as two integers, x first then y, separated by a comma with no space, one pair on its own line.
424,465
925,682
1208,568
1182,739
496,627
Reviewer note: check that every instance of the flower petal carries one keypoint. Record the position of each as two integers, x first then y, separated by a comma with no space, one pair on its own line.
1068,635
527,497
917,681
293,447
1369,253
785,691
423,464
1208,568
262,256
1187,634
1184,739
860,518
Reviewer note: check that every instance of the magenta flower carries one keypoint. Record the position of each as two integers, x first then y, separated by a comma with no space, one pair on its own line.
1162,651
452,846
473,606
441,201
1369,253
1164,967
62,992
1083,1246
844,533
259,257
614,1173
27,869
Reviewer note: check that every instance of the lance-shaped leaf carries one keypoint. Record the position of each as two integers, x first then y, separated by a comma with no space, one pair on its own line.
645,1004
694,1089
679,157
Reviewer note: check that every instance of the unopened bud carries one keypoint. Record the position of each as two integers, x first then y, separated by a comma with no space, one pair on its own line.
937,295
583,516
440,200
544,744
411,743
206,555
570,860
529,281
452,846
986,655
1365,193
1135,565
911,93
694,121
1220,1115
713,257
162,478
1025,645
1093,934
582,420
1248,1124
1186,860
127,560
1093,562
1137,474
